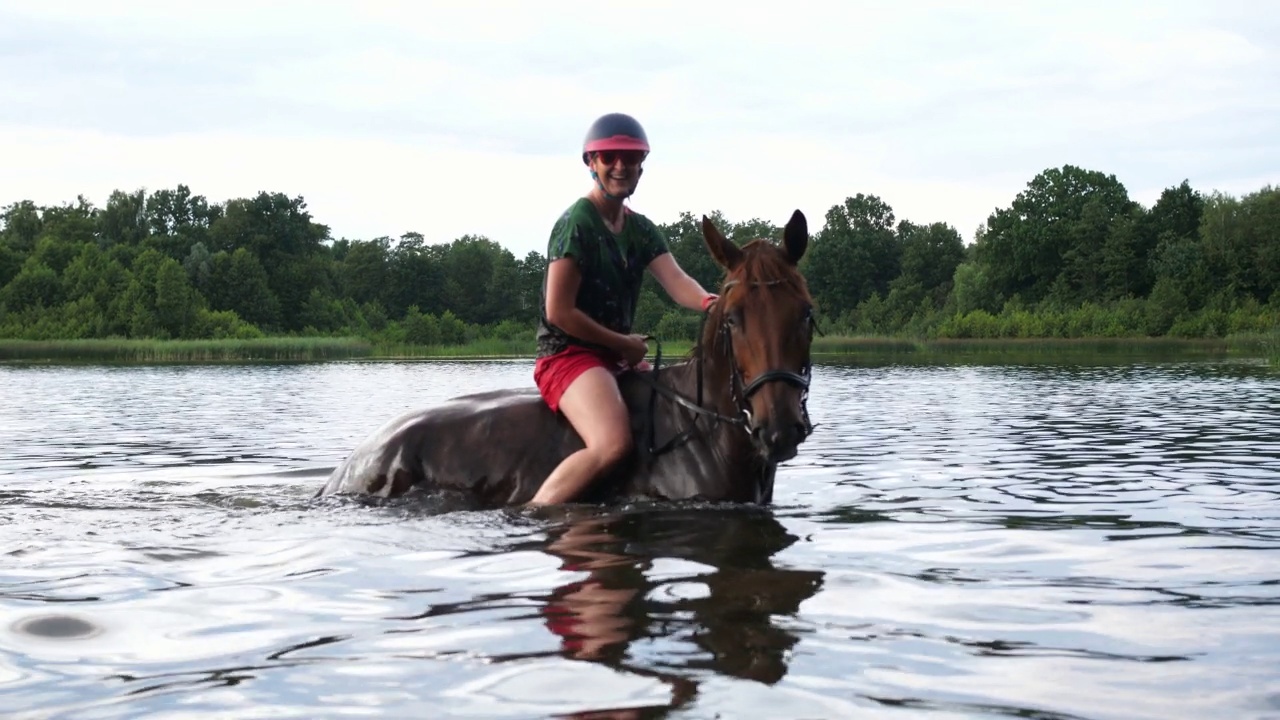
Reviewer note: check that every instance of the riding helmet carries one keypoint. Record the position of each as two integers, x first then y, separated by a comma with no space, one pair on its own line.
615,131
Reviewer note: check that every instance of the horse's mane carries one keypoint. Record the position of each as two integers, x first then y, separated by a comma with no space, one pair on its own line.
763,263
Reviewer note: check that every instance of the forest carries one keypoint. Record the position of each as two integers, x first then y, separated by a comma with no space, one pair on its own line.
1071,256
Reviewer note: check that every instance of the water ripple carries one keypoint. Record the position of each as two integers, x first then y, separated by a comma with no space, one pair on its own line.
1039,541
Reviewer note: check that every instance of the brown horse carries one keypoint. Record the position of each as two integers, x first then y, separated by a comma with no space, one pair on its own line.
712,427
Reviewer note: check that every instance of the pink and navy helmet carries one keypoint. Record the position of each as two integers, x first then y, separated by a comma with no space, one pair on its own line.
615,131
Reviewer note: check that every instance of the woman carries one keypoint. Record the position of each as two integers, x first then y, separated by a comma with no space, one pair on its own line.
596,259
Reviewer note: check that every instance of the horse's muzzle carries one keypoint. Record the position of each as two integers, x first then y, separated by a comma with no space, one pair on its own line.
780,441
778,434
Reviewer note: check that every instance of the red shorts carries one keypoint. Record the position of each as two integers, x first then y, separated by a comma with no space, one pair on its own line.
554,373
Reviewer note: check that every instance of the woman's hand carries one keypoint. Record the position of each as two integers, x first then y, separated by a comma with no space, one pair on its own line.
633,349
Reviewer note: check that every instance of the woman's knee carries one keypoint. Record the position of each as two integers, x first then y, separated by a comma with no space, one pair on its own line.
595,408
615,446
609,441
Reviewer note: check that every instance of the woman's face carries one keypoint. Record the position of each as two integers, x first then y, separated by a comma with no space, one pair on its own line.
618,170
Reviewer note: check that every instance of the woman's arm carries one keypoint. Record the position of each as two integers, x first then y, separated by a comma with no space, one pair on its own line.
680,285
563,279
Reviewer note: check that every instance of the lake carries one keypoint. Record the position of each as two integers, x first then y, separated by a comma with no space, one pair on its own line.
1083,538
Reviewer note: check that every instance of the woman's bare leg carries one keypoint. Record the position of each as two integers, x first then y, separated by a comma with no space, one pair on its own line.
593,405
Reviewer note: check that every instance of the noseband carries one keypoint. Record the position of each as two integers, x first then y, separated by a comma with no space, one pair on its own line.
741,394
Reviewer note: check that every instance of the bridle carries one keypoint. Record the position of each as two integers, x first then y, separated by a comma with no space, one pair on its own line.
740,393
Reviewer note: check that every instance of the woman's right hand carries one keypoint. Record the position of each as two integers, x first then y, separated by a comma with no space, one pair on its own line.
633,349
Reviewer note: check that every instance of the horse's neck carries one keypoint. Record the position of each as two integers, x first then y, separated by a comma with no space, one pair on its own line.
716,392
748,476
716,396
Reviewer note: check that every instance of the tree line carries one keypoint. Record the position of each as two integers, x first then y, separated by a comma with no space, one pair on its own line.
1071,256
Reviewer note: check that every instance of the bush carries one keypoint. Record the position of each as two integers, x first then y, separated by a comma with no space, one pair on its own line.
677,325
224,325
421,329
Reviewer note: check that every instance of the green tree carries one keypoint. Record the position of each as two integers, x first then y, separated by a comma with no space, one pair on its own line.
1241,242
1261,231
56,251
98,282
754,229
124,219
1052,235
854,256
199,266
22,224
529,274
35,286
365,271
420,329
469,265
10,263
502,296
177,212
72,224
140,296
1177,213
281,234
177,304
416,276
930,255
239,283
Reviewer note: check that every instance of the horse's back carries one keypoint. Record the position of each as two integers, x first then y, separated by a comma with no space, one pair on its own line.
469,442
498,446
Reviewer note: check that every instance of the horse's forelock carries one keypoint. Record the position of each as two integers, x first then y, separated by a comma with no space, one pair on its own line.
764,264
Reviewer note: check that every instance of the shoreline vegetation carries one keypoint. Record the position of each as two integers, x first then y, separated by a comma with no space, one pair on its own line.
1072,263
827,348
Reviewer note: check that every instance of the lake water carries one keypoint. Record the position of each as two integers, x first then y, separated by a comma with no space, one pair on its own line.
1084,539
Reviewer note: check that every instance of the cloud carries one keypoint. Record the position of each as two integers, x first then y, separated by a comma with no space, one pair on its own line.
448,118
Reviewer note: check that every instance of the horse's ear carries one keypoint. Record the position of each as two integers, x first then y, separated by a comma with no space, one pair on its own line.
724,251
796,236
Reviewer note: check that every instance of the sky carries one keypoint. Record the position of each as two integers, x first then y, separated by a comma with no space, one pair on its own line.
453,118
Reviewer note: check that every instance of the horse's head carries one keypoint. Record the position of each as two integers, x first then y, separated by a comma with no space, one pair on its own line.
762,326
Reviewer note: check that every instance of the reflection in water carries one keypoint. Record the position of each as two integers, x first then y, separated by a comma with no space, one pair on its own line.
728,607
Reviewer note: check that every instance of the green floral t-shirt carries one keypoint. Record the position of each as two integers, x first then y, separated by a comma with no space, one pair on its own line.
612,267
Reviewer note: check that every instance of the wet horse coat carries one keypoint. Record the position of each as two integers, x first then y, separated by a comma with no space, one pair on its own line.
713,427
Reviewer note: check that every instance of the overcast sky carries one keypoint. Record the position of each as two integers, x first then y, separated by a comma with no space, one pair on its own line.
449,118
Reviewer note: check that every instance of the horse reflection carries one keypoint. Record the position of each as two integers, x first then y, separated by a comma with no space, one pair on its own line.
727,610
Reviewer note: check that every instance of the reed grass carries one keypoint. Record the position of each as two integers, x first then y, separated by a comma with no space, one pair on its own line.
184,351
1029,347
304,349
476,349
1267,344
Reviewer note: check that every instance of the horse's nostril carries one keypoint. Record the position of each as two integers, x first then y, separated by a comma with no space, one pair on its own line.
777,437
788,436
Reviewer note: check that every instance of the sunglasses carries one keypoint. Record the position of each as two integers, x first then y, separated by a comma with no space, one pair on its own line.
628,157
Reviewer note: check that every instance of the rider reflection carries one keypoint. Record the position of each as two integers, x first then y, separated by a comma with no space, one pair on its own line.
593,616
731,621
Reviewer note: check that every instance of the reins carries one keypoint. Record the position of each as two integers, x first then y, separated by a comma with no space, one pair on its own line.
656,388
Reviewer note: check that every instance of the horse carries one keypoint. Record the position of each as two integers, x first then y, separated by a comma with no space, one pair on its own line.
712,427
